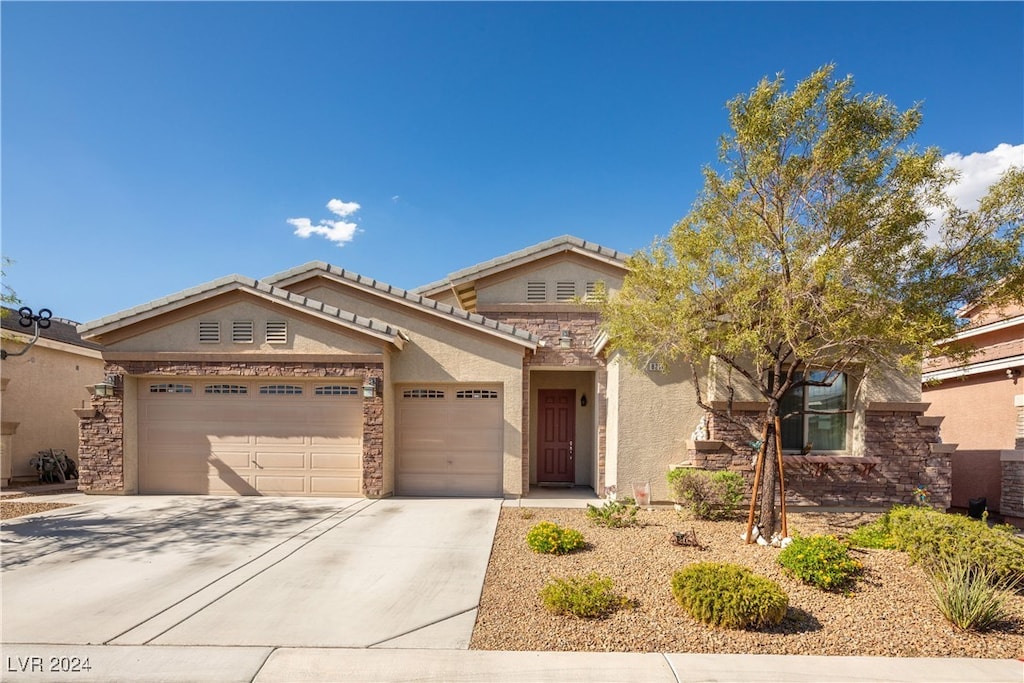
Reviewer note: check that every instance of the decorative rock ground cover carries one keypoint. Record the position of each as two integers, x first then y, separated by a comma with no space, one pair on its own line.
887,613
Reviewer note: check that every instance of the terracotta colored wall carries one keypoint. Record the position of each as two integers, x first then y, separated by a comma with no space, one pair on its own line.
979,411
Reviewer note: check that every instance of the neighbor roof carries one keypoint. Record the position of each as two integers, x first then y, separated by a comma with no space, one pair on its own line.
405,297
230,283
60,330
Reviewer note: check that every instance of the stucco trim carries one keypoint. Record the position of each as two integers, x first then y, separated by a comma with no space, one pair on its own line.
261,357
930,420
896,407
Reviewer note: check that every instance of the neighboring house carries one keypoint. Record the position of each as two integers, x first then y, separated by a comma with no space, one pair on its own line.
983,401
318,381
41,389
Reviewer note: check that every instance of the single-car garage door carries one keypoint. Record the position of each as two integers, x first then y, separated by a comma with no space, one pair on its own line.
229,437
450,440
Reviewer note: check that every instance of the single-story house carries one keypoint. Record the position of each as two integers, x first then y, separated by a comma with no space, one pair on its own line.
493,380
41,387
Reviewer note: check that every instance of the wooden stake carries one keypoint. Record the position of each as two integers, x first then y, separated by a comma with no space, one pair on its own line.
782,476
758,468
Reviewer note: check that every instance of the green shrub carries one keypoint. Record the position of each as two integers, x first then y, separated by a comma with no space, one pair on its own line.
877,534
589,597
729,595
708,495
932,537
970,598
548,537
821,561
614,513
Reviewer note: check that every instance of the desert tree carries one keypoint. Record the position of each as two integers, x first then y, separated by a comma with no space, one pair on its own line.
823,240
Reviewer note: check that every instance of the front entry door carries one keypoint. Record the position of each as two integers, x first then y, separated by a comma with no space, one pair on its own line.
556,436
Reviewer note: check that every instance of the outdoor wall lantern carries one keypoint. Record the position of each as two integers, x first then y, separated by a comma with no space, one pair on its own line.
105,388
371,389
583,401
565,341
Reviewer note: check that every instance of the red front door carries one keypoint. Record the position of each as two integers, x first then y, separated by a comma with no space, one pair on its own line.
556,436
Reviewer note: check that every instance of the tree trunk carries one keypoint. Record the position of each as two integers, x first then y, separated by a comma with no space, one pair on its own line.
768,521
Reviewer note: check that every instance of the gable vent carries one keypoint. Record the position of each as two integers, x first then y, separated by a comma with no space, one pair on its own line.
277,332
209,332
565,291
241,331
591,292
536,291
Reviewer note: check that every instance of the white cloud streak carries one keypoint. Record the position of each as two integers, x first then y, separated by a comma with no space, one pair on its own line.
341,232
979,170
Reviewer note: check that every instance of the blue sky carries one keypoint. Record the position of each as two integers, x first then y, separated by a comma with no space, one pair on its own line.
151,147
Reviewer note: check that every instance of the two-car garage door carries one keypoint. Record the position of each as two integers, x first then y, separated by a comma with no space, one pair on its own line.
228,436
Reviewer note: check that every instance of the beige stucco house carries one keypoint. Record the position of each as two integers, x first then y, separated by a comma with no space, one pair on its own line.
40,389
489,382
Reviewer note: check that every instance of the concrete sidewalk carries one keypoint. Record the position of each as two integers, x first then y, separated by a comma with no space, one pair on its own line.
144,664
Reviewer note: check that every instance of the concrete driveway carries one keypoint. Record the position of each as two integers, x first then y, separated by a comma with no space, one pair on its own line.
279,572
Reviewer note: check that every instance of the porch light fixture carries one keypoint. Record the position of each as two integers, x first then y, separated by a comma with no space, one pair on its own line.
583,401
371,389
101,390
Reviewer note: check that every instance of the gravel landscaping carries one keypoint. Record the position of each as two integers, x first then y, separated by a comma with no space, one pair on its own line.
21,504
888,612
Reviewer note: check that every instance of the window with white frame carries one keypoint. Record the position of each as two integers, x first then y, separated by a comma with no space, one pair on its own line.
336,390
225,389
242,331
803,431
280,390
170,388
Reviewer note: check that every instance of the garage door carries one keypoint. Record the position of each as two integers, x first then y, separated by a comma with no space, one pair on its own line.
450,440
225,437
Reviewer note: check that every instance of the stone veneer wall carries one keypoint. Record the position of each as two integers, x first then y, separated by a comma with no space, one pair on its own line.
101,436
1011,502
584,327
907,449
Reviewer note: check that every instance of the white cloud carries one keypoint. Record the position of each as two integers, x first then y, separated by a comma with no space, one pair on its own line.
979,170
340,208
340,232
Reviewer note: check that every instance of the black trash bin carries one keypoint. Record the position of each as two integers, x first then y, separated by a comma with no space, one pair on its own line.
976,507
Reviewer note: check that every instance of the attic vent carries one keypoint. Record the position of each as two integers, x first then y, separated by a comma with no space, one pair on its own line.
536,291
592,294
336,390
423,393
565,291
167,388
209,332
476,393
277,332
280,390
225,388
242,331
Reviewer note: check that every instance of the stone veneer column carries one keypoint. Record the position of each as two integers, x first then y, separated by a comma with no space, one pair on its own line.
1018,402
1011,502
101,441
373,437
